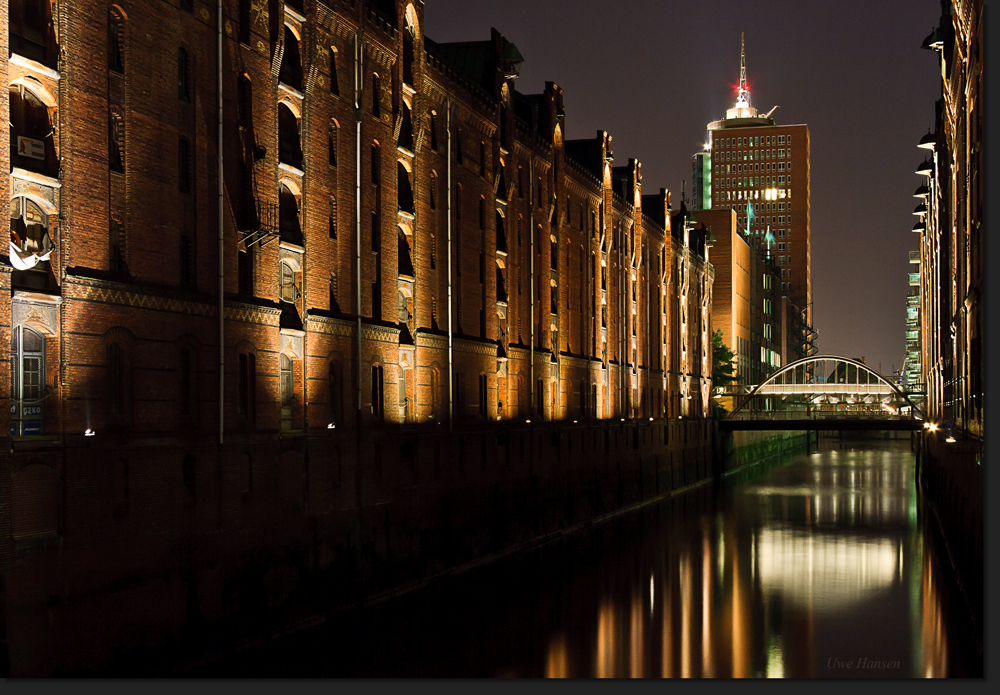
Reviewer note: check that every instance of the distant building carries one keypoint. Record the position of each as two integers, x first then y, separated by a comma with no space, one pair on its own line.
761,170
701,181
746,301
912,372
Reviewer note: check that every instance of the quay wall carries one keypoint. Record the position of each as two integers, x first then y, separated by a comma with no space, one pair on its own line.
151,558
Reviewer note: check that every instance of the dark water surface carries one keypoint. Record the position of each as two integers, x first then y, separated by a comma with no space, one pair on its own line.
822,566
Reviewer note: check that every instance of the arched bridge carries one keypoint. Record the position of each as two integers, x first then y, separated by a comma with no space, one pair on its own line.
825,392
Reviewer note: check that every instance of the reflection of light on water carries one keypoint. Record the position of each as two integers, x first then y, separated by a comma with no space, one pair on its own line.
637,647
652,594
606,642
555,660
932,636
775,659
844,569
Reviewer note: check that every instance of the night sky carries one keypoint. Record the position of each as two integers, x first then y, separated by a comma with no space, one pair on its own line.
653,73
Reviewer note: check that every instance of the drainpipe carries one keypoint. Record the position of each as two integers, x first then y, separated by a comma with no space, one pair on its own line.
451,364
357,210
531,284
222,277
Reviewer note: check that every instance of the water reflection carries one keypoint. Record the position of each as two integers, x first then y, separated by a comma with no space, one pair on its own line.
817,568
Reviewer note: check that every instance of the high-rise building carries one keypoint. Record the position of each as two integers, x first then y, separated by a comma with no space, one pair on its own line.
761,170
701,181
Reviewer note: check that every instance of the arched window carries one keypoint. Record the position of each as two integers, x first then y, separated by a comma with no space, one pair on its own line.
288,214
289,150
434,131
405,260
501,233
31,143
291,64
183,75
116,40
376,95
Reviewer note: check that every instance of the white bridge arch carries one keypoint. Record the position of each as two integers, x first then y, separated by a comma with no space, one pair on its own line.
852,381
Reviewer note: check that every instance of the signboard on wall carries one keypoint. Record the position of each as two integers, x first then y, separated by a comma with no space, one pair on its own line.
29,147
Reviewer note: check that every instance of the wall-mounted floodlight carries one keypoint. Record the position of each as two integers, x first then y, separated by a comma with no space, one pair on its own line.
89,432
331,426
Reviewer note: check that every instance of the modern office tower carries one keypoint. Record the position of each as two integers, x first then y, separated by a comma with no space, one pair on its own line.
760,169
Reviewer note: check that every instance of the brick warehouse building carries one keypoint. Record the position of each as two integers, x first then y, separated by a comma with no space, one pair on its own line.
436,254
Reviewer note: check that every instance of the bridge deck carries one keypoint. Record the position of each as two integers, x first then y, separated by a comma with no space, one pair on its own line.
819,424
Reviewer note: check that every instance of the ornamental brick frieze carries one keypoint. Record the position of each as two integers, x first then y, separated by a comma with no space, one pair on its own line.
107,292
383,57
250,313
382,334
331,326
475,348
430,340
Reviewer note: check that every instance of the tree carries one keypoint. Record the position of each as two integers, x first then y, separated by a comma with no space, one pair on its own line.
722,364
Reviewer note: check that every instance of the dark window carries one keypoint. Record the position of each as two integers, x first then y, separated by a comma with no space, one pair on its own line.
31,143
405,139
244,19
187,384
482,159
184,165
434,132
183,75
482,213
116,382
188,474
244,101
245,270
187,262
285,385
333,217
288,214
404,192
458,146
376,96
291,64
247,405
334,80
433,190
289,150
408,55
332,142
376,164
378,406
116,140
483,395
116,41
335,384
29,32
116,245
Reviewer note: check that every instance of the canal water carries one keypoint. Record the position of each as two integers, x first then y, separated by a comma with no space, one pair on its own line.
819,566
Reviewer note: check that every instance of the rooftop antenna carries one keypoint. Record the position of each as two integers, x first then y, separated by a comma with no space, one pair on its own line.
743,91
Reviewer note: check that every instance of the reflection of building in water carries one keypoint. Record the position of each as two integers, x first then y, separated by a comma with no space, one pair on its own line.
933,641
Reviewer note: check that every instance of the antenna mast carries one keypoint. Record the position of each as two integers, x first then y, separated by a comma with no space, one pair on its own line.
743,92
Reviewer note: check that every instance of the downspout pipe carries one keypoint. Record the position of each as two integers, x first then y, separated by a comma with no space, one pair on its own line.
531,284
357,213
222,277
451,364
